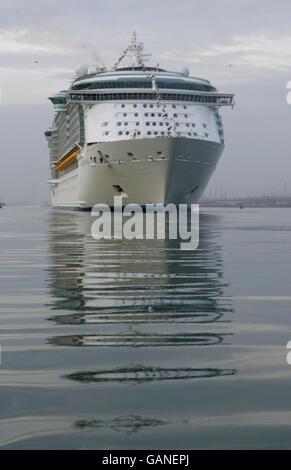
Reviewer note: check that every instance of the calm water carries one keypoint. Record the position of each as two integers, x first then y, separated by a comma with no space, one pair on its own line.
123,345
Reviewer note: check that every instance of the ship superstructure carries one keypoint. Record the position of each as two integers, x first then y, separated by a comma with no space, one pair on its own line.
150,135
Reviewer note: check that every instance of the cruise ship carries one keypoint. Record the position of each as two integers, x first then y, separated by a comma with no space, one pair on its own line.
138,131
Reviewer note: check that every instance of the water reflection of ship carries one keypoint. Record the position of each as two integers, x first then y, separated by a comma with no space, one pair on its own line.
128,424
142,286
132,282
138,374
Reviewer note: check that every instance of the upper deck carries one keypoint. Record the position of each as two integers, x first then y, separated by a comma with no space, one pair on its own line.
139,82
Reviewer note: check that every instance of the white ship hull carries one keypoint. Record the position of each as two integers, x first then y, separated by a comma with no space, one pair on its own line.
159,170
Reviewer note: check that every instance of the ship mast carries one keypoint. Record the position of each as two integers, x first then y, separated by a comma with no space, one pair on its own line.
135,51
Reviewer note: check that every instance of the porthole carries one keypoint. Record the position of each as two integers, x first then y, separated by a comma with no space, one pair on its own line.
173,106
154,123
156,133
135,105
159,114
137,123
167,124
161,123
138,132
153,115
189,133
123,105
124,114
146,114
162,133
120,133
187,125
136,114
151,105
144,105
148,132
147,123
206,135
118,123
175,115
185,115
195,133
177,124
193,125
127,133
185,107
126,123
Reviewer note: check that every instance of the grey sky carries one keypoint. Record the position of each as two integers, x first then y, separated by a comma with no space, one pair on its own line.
207,36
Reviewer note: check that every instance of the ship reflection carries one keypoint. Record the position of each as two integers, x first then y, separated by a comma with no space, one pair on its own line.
128,424
138,374
136,294
137,339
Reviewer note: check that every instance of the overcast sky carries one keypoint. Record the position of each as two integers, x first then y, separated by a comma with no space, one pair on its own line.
41,42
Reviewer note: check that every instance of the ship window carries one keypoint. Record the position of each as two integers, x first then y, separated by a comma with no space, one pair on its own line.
159,114
127,133
117,188
193,125
120,133
162,133
175,115
189,133
123,105
147,123
138,132
177,124
206,134
161,123
151,105
204,125
173,106
118,123
154,123
145,106
187,125
126,123
130,154
137,123
146,114
156,133
153,114
124,114
185,107
136,114
160,153
186,115
135,105
148,132
167,124
195,133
